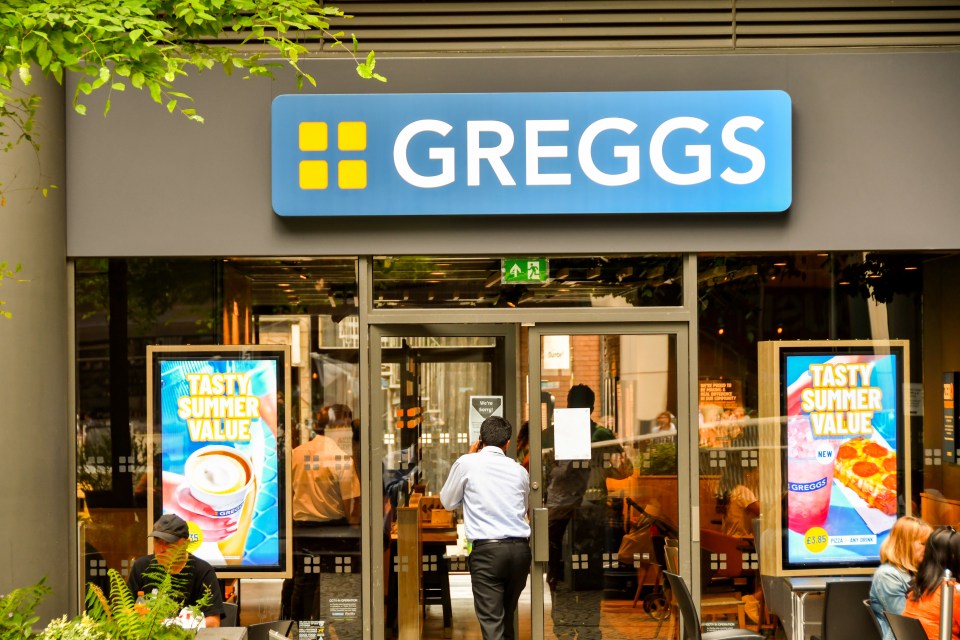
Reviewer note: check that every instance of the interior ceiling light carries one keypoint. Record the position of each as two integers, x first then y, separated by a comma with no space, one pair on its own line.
910,268
283,284
562,274
594,273
779,264
492,280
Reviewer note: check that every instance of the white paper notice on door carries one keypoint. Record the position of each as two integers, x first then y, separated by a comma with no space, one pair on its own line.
571,434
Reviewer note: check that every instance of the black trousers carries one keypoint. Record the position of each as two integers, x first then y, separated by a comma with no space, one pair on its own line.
498,573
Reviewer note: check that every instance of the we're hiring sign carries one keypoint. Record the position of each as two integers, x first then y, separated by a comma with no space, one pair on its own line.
532,153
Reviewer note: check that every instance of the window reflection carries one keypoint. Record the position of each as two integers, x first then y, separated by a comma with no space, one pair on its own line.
124,305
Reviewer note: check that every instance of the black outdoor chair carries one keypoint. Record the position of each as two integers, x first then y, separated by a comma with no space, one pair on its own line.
873,616
844,616
691,622
262,630
905,628
230,614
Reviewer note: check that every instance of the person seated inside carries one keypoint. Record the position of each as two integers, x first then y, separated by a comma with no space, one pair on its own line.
170,538
923,600
900,555
742,504
665,424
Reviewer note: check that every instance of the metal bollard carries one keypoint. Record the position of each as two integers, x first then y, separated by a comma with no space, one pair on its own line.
946,606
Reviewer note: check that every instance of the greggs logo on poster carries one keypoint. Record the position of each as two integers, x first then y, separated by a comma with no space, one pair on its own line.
538,153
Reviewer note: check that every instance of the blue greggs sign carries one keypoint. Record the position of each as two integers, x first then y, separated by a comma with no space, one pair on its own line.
532,153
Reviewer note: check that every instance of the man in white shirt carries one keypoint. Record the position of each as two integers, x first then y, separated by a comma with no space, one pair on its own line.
494,491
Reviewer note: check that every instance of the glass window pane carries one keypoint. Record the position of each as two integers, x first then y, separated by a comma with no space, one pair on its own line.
609,448
749,299
310,304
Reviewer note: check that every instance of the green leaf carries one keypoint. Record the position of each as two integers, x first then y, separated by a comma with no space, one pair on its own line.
136,79
25,76
155,92
136,33
171,105
80,108
106,108
44,55
104,74
118,86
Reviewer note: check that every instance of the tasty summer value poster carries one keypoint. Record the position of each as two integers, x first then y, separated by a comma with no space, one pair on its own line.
840,456
219,461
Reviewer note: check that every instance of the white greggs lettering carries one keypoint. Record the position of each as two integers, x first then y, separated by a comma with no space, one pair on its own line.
535,152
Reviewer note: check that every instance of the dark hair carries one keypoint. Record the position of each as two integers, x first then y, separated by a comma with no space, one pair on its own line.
580,396
495,431
942,552
523,435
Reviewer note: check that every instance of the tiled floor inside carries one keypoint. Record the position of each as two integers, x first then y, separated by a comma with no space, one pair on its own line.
260,602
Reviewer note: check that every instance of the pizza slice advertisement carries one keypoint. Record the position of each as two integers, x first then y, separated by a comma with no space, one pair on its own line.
869,469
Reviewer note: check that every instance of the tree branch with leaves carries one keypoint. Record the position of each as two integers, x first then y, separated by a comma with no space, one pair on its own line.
148,45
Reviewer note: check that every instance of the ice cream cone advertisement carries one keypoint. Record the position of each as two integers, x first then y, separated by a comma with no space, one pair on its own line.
841,431
217,449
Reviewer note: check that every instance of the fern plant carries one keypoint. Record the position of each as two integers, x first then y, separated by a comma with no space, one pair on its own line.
17,611
119,615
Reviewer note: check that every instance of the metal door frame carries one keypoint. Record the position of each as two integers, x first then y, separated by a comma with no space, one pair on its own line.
375,323
374,448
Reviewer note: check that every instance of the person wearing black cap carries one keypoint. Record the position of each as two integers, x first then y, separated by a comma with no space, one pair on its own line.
494,491
168,533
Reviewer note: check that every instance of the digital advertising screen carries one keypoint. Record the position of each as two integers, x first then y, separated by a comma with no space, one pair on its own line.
842,465
217,435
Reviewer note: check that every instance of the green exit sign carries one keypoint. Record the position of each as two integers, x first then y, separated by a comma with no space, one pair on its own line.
524,270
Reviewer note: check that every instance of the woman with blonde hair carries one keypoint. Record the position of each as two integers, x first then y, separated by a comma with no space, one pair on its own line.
900,555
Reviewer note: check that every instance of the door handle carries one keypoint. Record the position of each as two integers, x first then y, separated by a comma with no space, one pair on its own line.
541,539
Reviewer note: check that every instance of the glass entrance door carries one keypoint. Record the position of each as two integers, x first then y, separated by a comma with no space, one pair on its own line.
436,384
605,452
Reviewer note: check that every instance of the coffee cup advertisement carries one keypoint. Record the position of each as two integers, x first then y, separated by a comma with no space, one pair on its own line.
219,457
841,441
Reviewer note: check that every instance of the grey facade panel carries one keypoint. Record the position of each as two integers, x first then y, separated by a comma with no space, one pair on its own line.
875,141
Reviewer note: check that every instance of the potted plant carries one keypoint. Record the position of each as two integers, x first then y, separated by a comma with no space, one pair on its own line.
119,616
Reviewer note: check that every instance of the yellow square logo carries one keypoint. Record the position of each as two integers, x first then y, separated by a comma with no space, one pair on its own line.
352,174
313,136
314,174
352,136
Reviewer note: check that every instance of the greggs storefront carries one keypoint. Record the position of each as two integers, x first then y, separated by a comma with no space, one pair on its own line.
328,291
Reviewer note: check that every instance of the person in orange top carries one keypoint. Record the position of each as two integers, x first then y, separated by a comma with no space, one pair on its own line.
923,600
